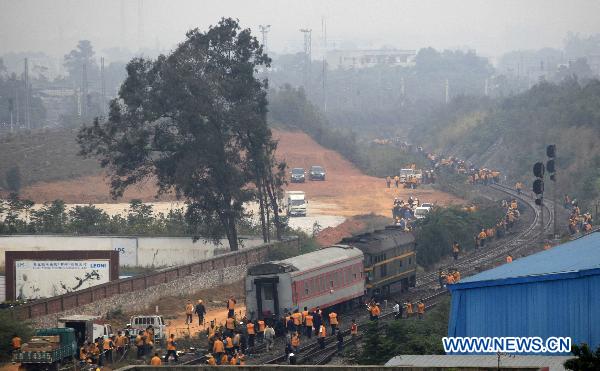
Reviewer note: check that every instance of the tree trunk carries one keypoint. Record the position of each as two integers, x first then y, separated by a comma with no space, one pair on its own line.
261,202
275,207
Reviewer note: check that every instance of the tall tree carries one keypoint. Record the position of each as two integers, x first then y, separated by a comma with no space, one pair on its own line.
82,55
195,121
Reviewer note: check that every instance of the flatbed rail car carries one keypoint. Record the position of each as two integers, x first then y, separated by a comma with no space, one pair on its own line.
390,260
328,277
48,356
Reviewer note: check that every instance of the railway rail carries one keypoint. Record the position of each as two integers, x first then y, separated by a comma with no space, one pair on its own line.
427,284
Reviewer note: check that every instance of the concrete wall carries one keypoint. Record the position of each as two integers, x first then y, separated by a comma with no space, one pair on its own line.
138,291
133,251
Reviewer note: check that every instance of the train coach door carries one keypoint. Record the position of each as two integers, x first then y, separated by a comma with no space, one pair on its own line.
267,300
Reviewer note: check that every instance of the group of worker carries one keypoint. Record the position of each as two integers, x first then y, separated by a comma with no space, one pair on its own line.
411,181
102,350
579,222
449,277
407,309
403,212
503,225
483,176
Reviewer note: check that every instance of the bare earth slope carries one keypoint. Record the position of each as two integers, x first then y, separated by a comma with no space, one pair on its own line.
346,191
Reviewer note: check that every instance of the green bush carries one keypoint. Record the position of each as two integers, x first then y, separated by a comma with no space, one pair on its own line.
8,327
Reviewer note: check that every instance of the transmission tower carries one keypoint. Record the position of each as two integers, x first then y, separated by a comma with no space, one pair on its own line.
307,55
264,30
27,95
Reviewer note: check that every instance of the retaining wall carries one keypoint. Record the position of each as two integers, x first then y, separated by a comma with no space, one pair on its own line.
133,251
139,291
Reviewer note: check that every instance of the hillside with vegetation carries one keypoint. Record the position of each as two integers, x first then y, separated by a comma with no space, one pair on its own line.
511,134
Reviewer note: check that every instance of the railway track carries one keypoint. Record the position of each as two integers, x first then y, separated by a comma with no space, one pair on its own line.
427,283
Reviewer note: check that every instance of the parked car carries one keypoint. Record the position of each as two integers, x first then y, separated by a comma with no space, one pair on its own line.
316,173
298,175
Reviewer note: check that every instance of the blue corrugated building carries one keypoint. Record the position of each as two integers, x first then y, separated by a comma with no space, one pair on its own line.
552,293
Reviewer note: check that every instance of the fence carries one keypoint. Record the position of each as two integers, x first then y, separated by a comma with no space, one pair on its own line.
75,299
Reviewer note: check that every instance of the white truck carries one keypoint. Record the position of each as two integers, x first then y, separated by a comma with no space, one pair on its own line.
296,203
87,328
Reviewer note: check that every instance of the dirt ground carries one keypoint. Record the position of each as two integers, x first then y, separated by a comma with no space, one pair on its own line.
346,192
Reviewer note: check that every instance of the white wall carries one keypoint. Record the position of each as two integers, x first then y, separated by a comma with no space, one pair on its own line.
134,251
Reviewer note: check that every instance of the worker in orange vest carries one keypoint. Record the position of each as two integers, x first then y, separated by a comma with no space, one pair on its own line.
251,333
218,349
308,324
354,329
322,336
155,361
231,307
229,345
261,330
375,312
409,309
189,312
421,309
171,349
333,321
297,318
295,341
230,324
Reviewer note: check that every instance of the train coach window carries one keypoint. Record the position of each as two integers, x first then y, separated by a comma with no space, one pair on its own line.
268,291
331,284
383,270
409,261
306,288
400,263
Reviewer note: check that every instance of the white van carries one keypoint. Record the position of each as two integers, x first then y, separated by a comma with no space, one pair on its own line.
422,211
140,323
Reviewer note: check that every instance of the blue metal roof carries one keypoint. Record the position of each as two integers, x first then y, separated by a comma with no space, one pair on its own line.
574,258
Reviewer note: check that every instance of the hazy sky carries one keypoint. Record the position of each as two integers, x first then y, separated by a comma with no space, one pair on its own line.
492,27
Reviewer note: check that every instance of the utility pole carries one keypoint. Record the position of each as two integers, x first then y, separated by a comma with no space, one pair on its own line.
10,110
551,167
264,30
103,85
324,71
307,55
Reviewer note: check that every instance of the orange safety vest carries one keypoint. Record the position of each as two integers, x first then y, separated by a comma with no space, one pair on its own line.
322,332
16,342
218,346
230,323
304,314
224,359
155,361
82,353
409,309
309,320
228,342
333,318
354,329
250,328
482,235
421,308
261,326
231,304
171,344
456,276
212,361
233,361
297,318
106,345
375,311
120,341
450,279
189,309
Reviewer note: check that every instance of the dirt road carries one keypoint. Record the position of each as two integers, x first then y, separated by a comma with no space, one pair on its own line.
347,191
